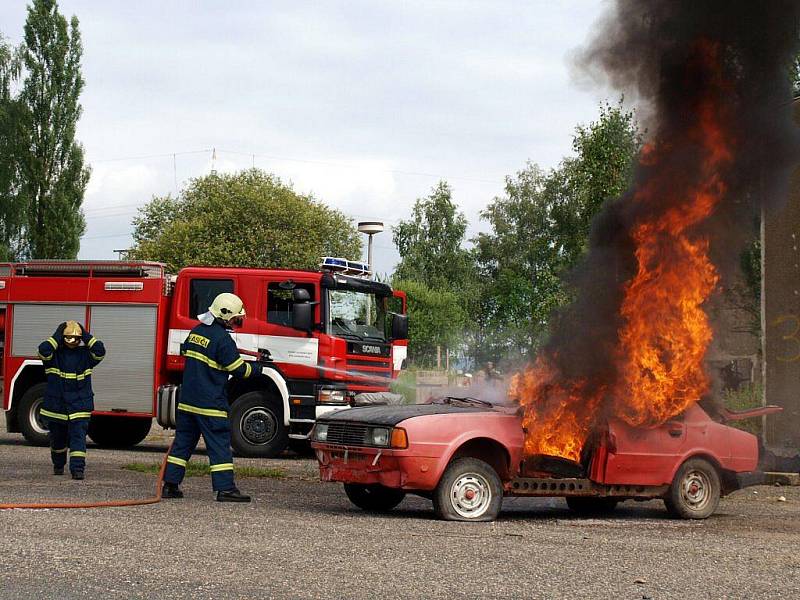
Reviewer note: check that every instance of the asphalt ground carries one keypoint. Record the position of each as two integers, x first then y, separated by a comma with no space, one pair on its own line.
301,538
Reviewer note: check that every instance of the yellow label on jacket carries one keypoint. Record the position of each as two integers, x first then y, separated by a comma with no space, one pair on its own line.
199,340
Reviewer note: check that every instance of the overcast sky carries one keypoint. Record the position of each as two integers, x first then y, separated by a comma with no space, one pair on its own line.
365,104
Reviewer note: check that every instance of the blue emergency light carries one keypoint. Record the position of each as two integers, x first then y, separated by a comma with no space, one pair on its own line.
345,267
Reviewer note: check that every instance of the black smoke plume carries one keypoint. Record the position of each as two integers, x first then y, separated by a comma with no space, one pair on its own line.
654,51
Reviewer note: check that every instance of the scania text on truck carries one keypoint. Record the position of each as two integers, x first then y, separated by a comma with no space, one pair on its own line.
330,335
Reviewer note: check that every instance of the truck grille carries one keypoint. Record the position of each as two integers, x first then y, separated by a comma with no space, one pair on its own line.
347,434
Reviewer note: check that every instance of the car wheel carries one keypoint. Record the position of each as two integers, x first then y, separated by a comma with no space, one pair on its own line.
469,490
695,490
33,427
257,428
589,506
373,498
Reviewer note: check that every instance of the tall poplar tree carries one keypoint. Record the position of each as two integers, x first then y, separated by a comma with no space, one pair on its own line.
12,213
52,173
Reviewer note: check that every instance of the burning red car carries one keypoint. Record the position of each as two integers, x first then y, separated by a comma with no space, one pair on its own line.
466,455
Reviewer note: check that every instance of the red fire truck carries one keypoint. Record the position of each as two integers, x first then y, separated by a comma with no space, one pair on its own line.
330,334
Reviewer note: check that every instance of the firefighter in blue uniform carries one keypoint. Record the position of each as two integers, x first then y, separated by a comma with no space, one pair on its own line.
211,357
68,397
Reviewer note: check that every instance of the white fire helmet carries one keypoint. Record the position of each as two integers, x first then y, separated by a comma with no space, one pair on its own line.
227,306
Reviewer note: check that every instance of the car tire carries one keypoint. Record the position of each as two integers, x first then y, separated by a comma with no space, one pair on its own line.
591,506
469,490
257,429
695,490
118,432
373,498
33,428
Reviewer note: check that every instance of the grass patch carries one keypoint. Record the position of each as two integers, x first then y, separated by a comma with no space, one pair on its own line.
199,469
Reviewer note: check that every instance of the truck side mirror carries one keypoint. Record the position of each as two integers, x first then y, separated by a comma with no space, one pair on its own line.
399,327
303,316
300,295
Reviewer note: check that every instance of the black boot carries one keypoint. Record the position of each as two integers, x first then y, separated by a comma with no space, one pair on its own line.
171,490
233,495
58,470
77,474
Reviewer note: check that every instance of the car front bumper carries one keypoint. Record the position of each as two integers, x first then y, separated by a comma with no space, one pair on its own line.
364,465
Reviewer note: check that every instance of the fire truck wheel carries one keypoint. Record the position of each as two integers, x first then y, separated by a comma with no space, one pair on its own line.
591,506
695,490
118,432
30,421
469,490
373,498
257,428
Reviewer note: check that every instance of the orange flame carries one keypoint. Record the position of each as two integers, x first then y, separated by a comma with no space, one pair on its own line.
665,332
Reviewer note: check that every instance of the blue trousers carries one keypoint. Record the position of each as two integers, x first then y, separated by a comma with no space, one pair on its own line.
70,435
216,432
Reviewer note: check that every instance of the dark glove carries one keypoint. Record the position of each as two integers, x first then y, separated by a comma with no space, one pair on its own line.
257,369
58,336
85,336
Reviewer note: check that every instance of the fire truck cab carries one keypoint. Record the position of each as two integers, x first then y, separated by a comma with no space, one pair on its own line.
329,335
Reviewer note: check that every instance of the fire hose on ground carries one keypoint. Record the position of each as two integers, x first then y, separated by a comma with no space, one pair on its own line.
104,504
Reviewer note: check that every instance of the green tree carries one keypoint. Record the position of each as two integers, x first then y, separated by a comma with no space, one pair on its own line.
12,213
248,219
432,255
539,230
52,173
794,74
430,243
435,318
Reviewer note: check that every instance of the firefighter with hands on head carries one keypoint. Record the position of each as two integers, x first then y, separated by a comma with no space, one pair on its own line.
211,357
68,397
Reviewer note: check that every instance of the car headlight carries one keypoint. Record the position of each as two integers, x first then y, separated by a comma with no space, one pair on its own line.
332,396
380,436
320,432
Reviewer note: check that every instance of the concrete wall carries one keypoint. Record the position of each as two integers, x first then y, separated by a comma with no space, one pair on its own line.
781,315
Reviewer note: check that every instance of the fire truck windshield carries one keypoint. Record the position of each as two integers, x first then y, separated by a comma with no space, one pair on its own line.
357,315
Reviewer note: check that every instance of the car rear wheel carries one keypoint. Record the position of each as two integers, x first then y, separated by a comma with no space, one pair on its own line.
469,490
33,427
373,498
589,506
695,490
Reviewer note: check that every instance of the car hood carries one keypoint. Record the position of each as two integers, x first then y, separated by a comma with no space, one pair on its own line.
392,415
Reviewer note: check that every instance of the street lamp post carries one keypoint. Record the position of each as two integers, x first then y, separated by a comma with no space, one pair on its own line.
370,228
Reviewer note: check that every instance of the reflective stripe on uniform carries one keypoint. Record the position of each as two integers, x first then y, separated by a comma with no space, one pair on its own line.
176,461
247,370
92,342
43,357
204,359
79,415
96,357
206,412
53,343
235,364
59,451
63,375
53,415
77,454
212,363
221,467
